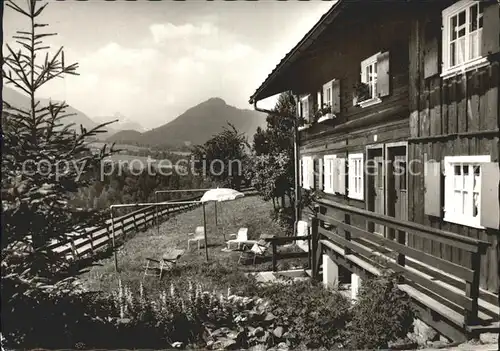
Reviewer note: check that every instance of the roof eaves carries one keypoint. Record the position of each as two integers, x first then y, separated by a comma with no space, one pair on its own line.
303,44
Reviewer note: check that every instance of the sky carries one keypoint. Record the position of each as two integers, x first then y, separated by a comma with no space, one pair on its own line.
150,61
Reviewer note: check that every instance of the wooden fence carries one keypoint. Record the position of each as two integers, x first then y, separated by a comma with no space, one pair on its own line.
85,244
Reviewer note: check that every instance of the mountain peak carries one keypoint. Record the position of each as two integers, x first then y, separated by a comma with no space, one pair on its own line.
216,100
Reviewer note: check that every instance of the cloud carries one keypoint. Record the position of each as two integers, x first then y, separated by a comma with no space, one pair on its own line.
235,52
116,57
155,68
160,76
162,32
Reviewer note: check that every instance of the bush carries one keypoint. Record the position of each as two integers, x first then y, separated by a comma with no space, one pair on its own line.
40,317
285,218
309,314
382,314
295,313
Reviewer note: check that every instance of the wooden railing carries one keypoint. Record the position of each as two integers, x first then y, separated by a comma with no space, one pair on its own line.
396,255
80,245
275,241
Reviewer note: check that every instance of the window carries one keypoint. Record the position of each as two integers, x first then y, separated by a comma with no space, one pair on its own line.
304,107
330,172
367,92
328,93
334,169
356,176
462,36
463,189
307,172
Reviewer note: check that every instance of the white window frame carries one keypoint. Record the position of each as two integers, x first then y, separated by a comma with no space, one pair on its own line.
449,189
328,87
329,166
307,172
468,63
365,65
356,176
304,101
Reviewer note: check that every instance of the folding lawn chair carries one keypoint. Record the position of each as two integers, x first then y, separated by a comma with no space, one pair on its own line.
259,249
155,267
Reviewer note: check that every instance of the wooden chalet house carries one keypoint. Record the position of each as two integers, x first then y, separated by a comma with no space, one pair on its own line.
401,145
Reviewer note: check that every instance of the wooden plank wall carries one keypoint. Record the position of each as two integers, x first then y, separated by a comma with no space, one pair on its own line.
372,30
438,107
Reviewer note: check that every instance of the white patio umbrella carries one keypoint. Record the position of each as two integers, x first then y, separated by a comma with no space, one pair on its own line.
217,195
221,194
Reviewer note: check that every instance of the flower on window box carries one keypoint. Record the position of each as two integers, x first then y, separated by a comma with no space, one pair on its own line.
323,114
302,123
361,92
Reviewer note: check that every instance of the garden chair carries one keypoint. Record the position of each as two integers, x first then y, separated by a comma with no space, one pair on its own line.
198,236
155,267
259,249
302,230
241,237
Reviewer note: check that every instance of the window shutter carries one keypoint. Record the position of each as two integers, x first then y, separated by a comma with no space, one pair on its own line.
319,99
490,207
341,176
383,74
350,176
491,29
320,173
431,48
334,168
448,187
310,174
299,107
312,104
432,188
336,96
326,171
314,173
301,173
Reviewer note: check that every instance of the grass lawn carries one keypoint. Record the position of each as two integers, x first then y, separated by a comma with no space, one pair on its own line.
220,273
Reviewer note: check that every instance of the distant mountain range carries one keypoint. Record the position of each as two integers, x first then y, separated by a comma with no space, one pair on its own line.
21,100
195,126
123,122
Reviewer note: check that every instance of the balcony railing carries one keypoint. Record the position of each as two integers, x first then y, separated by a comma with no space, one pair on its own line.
359,245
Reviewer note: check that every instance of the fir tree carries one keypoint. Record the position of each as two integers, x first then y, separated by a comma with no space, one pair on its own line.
45,161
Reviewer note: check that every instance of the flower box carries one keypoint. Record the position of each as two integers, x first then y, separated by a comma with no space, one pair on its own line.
326,117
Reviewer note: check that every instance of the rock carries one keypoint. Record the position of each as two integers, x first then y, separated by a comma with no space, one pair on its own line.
234,335
278,332
437,344
489,338
224,344
424,333
282,346
444,338
270,317
259,347
403,344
